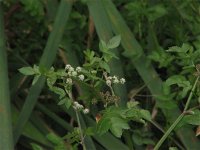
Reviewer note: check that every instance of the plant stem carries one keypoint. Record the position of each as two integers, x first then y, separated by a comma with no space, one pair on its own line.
160,142
168,132
79,123
191,94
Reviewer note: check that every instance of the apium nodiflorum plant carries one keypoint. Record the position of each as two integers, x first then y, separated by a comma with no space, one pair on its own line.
95,87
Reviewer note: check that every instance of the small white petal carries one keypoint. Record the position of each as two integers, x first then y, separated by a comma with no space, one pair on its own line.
108,82
122,80
86,111
74,73
78,69
69,81
67,66
81,77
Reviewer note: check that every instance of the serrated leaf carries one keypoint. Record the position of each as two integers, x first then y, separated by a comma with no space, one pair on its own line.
118,125
61,102
132,104
103,125
27,71
145,114
114,42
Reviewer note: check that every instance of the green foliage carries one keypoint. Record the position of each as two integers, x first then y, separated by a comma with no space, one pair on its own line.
116,119
34,7
142,138
58,142
36,147
147,31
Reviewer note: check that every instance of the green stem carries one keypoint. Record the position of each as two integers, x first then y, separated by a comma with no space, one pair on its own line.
191,94
168,132
160,142
79,123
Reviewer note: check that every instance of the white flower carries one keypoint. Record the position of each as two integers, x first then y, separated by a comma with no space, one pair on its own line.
76,103
116,81
69,81
86,111
122,80
114,78
67,66
74,73
71,69
81,77
78,69
79,106
108,82
109,78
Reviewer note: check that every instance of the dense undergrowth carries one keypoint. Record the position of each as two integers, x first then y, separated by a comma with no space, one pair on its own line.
99,74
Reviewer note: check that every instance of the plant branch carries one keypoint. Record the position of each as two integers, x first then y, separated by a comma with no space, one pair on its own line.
160,142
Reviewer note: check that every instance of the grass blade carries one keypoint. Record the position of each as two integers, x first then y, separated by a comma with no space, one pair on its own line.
46,61
6,138
105,33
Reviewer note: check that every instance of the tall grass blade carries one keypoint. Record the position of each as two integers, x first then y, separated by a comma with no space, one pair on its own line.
104,31
134,52
6,138
46,61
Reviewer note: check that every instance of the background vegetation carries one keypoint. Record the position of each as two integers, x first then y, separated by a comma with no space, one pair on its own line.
158,56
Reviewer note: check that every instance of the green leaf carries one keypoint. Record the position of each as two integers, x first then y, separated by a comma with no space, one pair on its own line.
103,125
61,102
192,119
173,148
27,71
35,79
145,114
140,139
36,147
132,104
90,131
102,46
105,66
114,42
68,102
54,138
118,125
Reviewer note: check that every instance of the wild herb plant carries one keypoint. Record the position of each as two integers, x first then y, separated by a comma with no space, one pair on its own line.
93,74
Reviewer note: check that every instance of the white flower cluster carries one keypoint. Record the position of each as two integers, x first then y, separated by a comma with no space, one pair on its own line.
73,73
114,79
78,106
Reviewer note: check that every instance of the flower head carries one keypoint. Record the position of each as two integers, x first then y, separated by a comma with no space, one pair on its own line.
81,77
108,82
86,111
69,81
122,80
67,66
78,69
